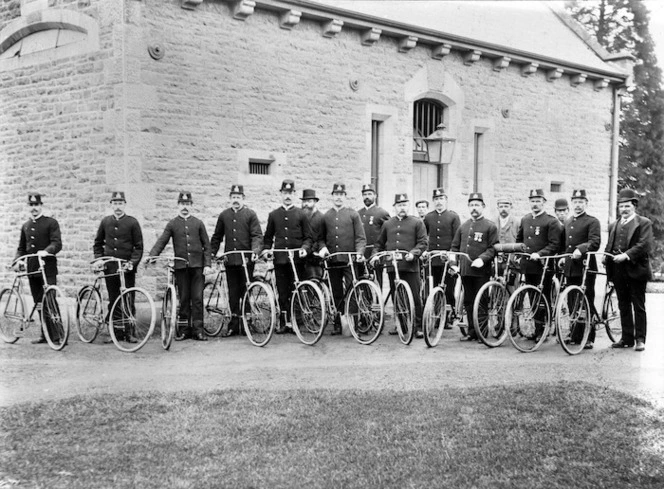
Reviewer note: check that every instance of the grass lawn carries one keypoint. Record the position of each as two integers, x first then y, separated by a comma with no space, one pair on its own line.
550,436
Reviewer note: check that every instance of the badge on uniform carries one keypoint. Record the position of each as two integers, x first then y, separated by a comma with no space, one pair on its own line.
537,230
478,237
371,220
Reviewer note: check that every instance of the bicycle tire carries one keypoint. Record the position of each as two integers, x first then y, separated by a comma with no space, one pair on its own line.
611,315
259,313
135,324
554,292
55,320
520,321
216,308
327,294
364,312
404,311
434,316
169,316
489,314
12,315
89,314
573,319
459,308
308,312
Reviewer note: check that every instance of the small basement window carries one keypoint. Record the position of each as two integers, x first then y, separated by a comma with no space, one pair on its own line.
556,187
259,166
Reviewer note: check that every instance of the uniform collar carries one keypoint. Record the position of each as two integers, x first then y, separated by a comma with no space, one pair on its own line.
369,207
118,218
538,214
289,207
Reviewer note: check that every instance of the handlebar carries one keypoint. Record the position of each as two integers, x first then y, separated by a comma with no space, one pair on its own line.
349,254
24,259
170,260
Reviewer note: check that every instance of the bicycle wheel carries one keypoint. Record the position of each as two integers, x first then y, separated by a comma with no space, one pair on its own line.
217,310
133,313
434,316
611,315
327,294
459,308
489,314
527,318
12,315
169,316
404,311
259,313
89,314
55,323
308,312
363,310
573,319
554,292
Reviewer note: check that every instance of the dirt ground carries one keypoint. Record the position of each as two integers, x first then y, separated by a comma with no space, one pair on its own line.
36,373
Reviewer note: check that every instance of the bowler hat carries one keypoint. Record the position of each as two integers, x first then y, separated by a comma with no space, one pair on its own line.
288,186
476,196
339,188
628,195
35,199
438,192
309,194
536,193
422,202
237,189
579,194
118,195
185,196
367,187
398,198
561,204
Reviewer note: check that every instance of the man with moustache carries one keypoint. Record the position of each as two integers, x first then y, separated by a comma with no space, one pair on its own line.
476,238
240,230
373,218
582,234
406,233
190,242
313,268
630,242
287,228
441,225
508,223
540,234
341,230
119,236
41,235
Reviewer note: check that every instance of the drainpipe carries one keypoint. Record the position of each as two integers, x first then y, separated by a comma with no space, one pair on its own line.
615,139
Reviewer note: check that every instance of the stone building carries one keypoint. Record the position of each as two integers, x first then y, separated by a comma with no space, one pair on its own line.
154,96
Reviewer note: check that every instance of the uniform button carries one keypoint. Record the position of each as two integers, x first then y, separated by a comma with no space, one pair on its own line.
116,228
234,220
285,218
32,246
286,238
32,229
32,237
115,239
188,253
234,239
336,237
115,249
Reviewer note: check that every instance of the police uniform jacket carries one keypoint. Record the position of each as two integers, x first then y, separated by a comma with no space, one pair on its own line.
342,230
119,238
190,241
37,235
507,233
476,238
289,229
373,219
441,228
637,243
240,231
582,232
407,234
539,234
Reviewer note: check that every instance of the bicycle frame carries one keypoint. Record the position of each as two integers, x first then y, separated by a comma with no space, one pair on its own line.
17,283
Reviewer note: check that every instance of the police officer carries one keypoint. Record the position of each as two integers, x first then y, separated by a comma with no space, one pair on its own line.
239,229
631,242
540,234
407,233
190,242
476,238
441,225
373,218
312,263
40,235
119,236
582,234
287,227
341,230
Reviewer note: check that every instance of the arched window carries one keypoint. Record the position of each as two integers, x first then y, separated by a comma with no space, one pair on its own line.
428,114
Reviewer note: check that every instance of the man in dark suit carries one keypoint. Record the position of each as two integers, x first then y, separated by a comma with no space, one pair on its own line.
119,236
373,218
630,241
239,229
582,234
191,242
40,235
313,268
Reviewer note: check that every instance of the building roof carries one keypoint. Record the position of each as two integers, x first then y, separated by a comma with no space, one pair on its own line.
525,28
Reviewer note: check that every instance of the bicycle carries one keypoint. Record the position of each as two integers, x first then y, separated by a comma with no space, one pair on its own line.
491,300
170,306
13,318
528,312
90,316
362,303
573,312
216,307
308,307
435,313
404,304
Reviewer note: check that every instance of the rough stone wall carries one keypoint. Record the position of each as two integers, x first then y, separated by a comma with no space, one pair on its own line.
229,89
